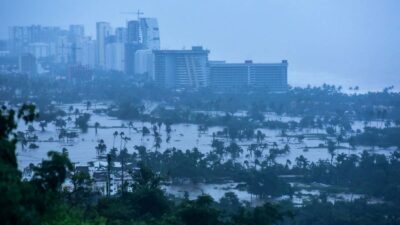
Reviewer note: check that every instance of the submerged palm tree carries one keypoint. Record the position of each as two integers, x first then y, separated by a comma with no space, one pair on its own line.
43,124
331,149
22,139
126,139
130,126
115,136
96,126
101,147
157,141
88,105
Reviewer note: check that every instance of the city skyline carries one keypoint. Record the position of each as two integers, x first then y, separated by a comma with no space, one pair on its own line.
133,50
362,51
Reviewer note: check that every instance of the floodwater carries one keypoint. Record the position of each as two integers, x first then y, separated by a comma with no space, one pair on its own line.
183,136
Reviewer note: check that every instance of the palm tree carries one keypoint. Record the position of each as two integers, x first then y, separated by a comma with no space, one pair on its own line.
331,149
130,126
341,158
157,140
109,165
251,149
88,104
257,156
155,129
76,113
142,151
235,150
22,139
70,109
260,136
31,129
43,124
96,126
126,139
300,138
270,159
60,123
168,129
159,124
352,142
246,163
168,139
145,131
121,134
101,147
218,146
339,139
288,163
286,149
115,136
302,162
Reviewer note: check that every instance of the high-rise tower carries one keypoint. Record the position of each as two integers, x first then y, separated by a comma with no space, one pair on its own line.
133,32
103,30
181,68
150,33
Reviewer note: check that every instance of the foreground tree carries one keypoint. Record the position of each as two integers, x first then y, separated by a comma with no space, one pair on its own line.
14,209
51,173
39,201
266,214
199,212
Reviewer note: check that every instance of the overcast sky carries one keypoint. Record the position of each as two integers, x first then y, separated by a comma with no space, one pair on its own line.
333,41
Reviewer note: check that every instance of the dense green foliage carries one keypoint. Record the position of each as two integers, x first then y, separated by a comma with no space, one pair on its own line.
386,137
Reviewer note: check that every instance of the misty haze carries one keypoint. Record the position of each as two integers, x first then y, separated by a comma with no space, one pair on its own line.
220,112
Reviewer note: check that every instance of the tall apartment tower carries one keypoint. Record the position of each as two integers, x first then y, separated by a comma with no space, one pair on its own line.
132,45
181,68
121,34
103,31
150,33
133,32
115,56
18,38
